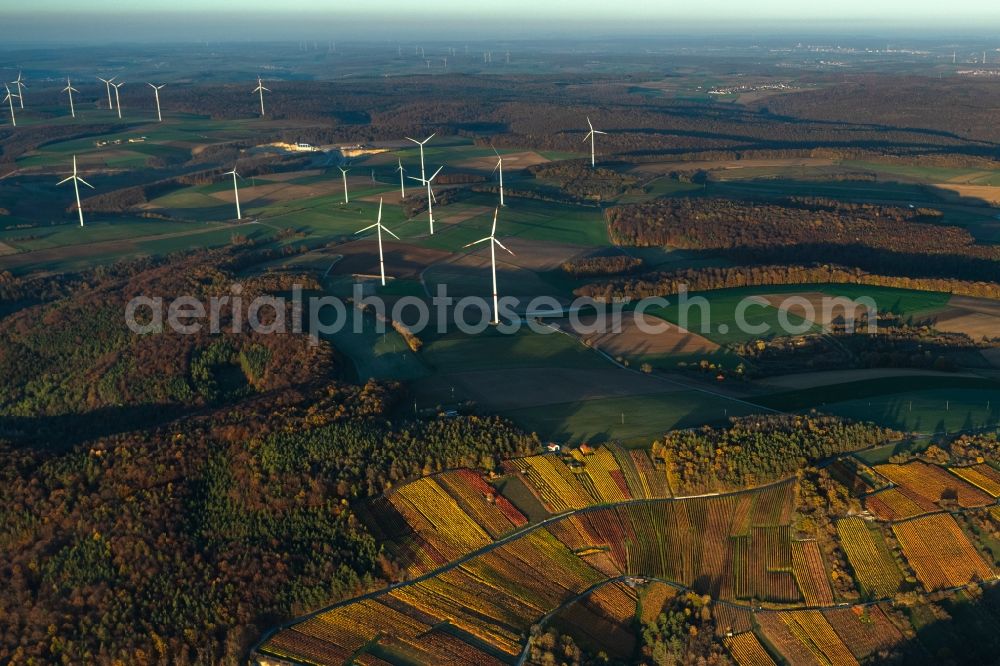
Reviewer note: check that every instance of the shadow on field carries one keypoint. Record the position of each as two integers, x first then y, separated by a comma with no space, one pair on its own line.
61,432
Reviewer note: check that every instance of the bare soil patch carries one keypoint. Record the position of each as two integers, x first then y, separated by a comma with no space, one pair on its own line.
988,193
510,161
660,168
402,260
632,341
822,309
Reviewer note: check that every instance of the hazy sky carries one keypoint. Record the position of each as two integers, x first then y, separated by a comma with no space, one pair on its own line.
310,19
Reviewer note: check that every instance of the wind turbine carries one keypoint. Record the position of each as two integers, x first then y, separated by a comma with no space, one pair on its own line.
261,89
10,100
402,183
492,238
19,82
156,91
76,188
590,135
107,84
380,228
70,89
236,191
430,197
343,172
499,167
421,144
118,100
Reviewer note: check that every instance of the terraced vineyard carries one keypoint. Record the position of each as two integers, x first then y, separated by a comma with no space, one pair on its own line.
611,553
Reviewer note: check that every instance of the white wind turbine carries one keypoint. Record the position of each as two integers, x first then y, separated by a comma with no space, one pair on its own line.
70,90
343,172
76,188
492,238
430,197
118,99
421,144
499,167
402,182
261,89
19,82
236,191
156,92
380,228
590,135
107,84
10,100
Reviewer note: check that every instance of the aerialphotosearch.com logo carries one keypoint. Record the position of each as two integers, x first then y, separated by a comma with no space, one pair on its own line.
319,316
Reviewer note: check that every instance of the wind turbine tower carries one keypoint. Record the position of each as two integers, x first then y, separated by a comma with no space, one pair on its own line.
236,191
70,90
499,167
402,182
118,99
10,100
492,238
156,92
107,84
343,172
430,197
260,89
76,188
379,227
19,82
590,135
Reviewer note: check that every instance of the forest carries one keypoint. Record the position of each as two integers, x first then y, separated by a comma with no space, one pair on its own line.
667,283
882,239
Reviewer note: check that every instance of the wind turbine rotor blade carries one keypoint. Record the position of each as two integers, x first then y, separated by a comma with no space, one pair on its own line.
481,240
390,233
503,246
413,140
418,179
589,134
85,182
599,132
370,226
65,180
493,231
435,173
379,211
430,137
589,125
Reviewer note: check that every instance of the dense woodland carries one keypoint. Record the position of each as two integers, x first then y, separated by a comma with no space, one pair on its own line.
666,283
879,239
225,511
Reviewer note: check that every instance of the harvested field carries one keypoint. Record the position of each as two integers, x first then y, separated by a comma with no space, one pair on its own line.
987,193
632,342
819,308
511,161
540,255
402,260
6,249
976,317
660,168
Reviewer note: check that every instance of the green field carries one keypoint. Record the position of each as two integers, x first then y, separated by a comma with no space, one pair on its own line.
633,420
